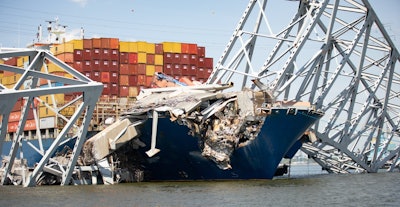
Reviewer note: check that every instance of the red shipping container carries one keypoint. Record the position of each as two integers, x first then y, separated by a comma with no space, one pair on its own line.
201,51
114,55
66,57
12,61
200,72
200,62
18,105
185,69
133,80
87,54
189,48
96,76
176,69
176,58
192,70
168,57
114,89
96,43
123,91
168,68
96,53
133,58
123,80
193,59
87,44
105,53
114,77
158,68
150,59
78,55
106,89
208,62
95,65
124,57
159,49
124,69
149,81
141,80
141,69
87,66
185,58
105,65
133,69
109,43
114,65
105,77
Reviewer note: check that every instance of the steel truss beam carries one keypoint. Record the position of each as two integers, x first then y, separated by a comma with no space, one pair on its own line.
27,88
335,54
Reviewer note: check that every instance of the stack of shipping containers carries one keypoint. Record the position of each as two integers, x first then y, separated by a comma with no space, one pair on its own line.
123,67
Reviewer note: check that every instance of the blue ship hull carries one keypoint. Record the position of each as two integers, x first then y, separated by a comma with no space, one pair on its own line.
180,157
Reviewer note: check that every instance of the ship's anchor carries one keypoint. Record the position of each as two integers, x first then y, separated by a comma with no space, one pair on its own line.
153,150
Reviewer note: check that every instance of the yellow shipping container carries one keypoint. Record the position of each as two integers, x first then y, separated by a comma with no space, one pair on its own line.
21,61
158,60
128,46
77,44
172,47
146,47
133,91
58,98
13,79
68,111
150,70
62,48
51,67
46,112
142,57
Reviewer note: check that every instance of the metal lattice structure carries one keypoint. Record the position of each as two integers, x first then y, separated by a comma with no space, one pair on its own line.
335,54
28,90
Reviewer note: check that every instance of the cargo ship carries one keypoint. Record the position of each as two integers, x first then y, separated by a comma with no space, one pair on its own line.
183,129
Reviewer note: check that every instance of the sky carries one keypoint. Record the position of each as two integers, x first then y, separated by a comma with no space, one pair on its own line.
208,23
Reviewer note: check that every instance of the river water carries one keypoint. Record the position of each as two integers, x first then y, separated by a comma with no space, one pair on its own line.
307,186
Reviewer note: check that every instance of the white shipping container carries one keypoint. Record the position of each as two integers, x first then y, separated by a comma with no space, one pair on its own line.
47,122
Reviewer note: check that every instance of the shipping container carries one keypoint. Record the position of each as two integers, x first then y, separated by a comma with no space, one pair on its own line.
96,43
105,65
133,80
123,80
123,91
49,99
185,69
172,47
114,54
105,77
141,80
95,64
124,69
149,81
66,57
111,43
46,112
12,61
87,66
176,58
133,58
158,59
168,57
29,125
208,62
114,65
96,76
106,89
78,55
21,61
185,58
105,53
96,53
201,51
150,70
188,48
78,65
114,77
87,54
133,91
48,122
114,89
150,59
158,68
141,69
62,48
159,49
87,44
124,57
133,69
142,57
77,44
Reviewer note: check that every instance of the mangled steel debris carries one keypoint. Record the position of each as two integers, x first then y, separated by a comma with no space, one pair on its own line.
221,121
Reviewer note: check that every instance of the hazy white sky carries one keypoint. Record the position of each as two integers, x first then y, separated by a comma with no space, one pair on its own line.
208,23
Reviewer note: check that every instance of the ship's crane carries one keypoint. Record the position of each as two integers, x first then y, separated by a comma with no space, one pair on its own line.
335,54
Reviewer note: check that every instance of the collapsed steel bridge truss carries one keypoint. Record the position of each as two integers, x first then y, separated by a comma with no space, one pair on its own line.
335,54
28,90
